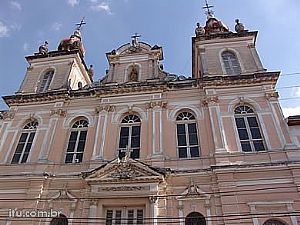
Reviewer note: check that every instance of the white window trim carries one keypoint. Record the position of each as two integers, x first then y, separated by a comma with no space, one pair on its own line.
238,58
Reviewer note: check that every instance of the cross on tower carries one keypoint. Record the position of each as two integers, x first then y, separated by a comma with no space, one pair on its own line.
79,25
135,39
208,7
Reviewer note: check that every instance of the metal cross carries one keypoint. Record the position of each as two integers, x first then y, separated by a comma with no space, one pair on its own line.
79,25
208,7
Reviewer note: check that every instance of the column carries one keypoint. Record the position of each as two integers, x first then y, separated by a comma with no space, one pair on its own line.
93,212
180,213
212,102
153,209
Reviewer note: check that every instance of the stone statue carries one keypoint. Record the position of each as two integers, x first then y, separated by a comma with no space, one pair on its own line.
199,30
133,76
239,27
43,49
91,72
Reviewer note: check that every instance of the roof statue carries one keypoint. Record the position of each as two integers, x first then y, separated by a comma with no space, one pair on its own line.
43,49
74,42
91,72
239,27
199,30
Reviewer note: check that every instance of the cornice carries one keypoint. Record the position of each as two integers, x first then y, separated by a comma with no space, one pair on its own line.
104,90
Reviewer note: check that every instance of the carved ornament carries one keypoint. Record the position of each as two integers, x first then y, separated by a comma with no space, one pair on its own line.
210,100
272,95
58,112
107,108
124,188
160,104
125,170
7,115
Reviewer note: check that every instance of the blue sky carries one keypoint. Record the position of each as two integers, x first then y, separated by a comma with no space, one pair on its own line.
26,24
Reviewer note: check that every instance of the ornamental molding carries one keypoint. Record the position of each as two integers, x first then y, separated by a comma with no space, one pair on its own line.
123,171
106,108
210,100
7,115
124,188
58,112
156,104
273,95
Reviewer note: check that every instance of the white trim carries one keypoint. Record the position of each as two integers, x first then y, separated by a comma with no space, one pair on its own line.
41,78
94,154
236,102
101,155
192,108
119,115
276,120
48,143
12,144
68,122
238,58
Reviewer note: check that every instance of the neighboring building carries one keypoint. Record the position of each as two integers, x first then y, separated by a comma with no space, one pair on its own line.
143,146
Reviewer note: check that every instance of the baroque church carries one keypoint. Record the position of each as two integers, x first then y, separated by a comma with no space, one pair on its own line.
143,146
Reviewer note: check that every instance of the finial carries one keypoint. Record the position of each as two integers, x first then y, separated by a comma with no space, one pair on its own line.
135,39
79,25
209,12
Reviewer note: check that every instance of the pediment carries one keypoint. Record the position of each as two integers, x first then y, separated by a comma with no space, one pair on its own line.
122,171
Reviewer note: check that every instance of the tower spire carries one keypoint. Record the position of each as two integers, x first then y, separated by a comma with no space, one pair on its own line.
208,7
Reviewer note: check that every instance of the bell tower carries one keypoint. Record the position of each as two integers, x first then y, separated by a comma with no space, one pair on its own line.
62,69
217,51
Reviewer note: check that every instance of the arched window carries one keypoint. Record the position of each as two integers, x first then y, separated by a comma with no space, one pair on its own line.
231,63
195,218
248,129
59,220
46,81
130,137
25,143
273,222
187,137
77,141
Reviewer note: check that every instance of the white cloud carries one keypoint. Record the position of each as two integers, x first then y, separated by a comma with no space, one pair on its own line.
73,2
4,31
296,92
16,5
26,46
56,26
100,7
291,111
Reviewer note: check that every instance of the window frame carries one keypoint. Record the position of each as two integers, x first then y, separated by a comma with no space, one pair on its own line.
28,130
186,122
82,126
123,218
245,115
44,86
231,58
121,152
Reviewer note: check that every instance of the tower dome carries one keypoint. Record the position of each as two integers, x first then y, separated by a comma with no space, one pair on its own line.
74,42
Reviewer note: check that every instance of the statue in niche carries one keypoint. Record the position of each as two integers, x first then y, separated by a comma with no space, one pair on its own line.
134,74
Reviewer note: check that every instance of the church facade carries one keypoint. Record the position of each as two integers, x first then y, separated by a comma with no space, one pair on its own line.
143,146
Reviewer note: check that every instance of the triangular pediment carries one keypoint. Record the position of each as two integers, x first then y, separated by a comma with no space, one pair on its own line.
124,171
